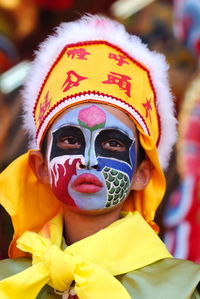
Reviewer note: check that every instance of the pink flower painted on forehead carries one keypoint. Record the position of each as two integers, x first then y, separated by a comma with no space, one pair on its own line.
92,118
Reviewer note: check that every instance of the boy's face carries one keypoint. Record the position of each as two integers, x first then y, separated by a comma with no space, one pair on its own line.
92,157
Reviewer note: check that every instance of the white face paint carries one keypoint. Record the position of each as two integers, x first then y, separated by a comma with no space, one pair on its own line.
91,158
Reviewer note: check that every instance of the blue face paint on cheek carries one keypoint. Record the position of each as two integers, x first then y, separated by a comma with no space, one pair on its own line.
118,177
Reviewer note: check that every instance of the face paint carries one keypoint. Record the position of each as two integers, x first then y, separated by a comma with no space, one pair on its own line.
91,158
117,166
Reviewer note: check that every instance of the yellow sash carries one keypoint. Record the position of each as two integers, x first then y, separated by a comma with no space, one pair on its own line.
126,245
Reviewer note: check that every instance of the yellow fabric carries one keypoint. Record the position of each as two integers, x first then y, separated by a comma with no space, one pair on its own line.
102,70
29,203
91,262
147,201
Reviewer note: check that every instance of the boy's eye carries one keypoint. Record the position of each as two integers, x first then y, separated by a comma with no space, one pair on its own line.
68,142
113,145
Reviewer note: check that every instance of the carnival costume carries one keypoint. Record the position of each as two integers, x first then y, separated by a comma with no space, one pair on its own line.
93,60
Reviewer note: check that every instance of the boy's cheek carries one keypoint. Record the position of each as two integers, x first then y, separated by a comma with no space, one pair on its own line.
117,184
60,176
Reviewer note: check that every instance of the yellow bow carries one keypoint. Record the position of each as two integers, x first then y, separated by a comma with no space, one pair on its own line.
92,263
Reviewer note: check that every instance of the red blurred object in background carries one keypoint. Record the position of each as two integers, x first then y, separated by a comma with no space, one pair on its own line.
55,5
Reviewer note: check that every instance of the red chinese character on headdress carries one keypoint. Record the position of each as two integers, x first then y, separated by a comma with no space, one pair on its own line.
44,106
148,108
121,80
119,58
78,53
72,80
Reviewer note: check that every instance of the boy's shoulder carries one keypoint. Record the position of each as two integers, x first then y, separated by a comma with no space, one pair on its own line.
13,266
168,278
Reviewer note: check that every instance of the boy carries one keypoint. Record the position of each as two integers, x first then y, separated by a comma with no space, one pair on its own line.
98,104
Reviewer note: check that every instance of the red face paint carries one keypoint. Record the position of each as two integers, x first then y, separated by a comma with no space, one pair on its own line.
61,175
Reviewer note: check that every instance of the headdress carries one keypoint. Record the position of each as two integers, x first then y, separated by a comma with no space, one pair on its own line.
95,60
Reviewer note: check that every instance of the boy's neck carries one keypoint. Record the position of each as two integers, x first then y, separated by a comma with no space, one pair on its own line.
78,226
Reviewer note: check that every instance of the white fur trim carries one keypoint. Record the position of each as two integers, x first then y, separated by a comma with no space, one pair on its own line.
87,29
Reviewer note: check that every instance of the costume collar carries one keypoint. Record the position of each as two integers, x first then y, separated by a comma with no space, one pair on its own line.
125,245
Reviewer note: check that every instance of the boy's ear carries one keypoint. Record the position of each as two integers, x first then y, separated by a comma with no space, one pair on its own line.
39,166
142,176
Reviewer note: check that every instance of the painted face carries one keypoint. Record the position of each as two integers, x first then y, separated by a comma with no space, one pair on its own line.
91,158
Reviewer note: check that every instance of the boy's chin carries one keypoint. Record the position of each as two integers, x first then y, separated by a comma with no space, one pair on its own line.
94,212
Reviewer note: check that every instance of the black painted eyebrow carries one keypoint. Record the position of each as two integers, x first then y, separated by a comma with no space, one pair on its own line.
67,131
107,134
115,134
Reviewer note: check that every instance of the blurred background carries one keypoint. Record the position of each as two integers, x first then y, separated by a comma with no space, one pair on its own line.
170,27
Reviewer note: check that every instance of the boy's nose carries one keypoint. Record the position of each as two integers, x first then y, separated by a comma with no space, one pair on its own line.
90,157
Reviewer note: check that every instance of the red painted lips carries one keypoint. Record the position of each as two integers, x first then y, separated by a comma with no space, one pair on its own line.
87,183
